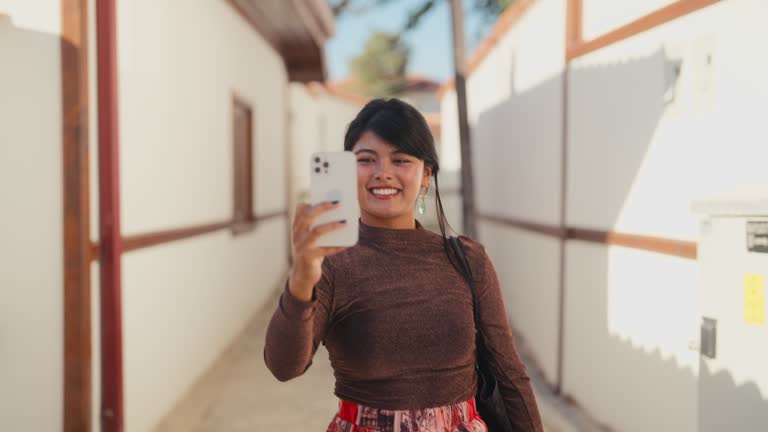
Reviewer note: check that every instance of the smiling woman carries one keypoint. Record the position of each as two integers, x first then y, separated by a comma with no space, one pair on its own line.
396,156
394,311
389,182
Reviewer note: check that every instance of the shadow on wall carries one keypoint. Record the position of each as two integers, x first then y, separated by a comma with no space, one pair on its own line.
646,388
517,156
31,230
517,143
624,384
747,409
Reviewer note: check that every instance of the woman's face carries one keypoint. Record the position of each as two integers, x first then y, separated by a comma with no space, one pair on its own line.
388,182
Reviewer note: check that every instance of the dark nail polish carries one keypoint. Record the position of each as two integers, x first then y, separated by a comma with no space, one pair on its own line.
334,202
343,221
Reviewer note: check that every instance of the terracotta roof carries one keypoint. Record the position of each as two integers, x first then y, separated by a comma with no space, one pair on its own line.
316,89
420,83
505,22
413,83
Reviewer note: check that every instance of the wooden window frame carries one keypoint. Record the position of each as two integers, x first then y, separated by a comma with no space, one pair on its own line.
243,216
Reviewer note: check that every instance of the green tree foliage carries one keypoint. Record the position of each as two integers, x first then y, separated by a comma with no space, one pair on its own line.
488,9
380,70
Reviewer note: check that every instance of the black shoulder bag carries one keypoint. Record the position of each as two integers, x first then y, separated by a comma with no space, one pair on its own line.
490,404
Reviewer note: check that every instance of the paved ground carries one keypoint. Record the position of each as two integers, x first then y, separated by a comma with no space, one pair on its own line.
239,394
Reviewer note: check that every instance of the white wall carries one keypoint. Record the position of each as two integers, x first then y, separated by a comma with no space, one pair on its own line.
31,251
640,149
515,112
450,152
709,137
424,101
180,66
319,121
602,16
642,145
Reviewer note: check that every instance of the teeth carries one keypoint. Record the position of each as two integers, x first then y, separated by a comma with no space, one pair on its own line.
384,191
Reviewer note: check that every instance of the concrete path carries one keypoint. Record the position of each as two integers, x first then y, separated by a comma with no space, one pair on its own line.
239,394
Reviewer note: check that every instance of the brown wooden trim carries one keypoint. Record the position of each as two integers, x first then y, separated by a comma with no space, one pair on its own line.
140,241
665,246
645,23
77,398
243,180
272,215
547,230
112,405
573,24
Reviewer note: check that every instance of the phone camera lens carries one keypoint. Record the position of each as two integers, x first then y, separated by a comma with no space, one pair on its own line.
317,160
317,170
325,164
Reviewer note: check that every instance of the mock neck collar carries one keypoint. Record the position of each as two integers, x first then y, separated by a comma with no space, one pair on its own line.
376,234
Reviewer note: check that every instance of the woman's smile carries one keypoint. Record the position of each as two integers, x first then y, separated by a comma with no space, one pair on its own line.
384,193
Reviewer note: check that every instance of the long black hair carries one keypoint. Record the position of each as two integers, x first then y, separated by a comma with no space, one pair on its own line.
404,127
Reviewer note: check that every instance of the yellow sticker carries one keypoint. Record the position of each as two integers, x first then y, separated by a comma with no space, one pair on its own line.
754,299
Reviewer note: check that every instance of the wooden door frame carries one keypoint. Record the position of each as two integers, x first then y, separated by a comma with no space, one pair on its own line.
77,379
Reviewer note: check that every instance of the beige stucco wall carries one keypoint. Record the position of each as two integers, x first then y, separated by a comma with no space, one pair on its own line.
31,251
180,66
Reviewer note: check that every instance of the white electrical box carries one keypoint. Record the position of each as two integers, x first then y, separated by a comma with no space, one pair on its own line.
733,258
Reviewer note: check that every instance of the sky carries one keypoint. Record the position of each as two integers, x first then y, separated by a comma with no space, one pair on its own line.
430,42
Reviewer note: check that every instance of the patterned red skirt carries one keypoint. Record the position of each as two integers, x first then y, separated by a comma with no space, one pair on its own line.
458,417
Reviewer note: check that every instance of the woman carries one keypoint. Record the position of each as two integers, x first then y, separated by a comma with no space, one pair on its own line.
393,311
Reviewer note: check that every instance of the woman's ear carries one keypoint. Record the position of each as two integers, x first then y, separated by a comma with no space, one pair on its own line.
427,175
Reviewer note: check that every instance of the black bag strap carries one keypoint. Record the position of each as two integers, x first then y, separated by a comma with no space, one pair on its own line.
458,251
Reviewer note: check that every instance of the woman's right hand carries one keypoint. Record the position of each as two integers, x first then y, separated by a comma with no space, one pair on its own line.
307,256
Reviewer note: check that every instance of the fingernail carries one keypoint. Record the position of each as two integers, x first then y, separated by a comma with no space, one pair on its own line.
334,202
343,221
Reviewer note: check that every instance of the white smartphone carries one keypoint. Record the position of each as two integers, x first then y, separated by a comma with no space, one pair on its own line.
334,178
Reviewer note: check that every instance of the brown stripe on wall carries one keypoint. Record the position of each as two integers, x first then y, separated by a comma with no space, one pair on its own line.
645,23
155,238
145,240
77,260
665,246
547,230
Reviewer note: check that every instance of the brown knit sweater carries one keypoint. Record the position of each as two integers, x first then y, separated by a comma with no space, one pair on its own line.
397,320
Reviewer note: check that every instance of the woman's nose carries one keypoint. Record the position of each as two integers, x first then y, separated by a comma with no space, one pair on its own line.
383,172
382,175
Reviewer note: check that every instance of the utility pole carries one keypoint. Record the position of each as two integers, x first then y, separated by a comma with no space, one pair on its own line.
467,189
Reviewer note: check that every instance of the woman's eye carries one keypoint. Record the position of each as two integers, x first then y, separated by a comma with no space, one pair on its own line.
365,160
402,161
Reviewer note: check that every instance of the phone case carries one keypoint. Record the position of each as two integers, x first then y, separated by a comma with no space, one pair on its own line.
334,178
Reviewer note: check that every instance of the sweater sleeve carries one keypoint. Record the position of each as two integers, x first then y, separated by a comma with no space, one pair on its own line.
510,372
297,328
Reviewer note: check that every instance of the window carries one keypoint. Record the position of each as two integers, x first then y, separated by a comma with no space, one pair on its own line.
243,166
